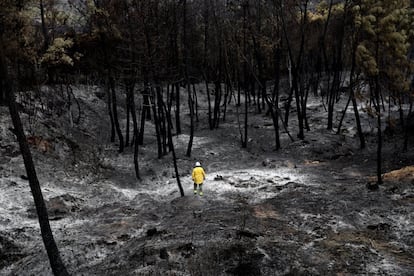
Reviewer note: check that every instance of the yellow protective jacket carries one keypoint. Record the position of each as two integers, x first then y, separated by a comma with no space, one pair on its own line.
198,175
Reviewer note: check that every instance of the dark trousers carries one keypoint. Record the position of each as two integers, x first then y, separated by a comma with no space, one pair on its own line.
199,186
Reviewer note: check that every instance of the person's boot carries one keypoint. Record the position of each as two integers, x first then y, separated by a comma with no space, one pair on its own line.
195,192
201,193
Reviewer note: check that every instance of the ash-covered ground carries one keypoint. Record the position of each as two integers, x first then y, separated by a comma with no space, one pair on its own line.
302,210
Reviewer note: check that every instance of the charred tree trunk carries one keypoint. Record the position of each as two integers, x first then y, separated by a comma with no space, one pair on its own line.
246,111
296,66
177,108
144,113
296,78
191,106
275,97
195,102
343,115
305,96
275,119
135,129
115,115
217,101
171,146
333,91
245,80
128,111
238,89
44,27
168,112
301,134
70,94
408,123
288,104
162,120
227,94
109,107
205,64
210,121
187,79
55,260
378,109
354,102
2,93
157,124
176,64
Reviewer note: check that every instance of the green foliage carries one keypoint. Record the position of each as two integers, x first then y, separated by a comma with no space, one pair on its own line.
366,60
385,28
113,32
17,32
58,53
322,11
103,22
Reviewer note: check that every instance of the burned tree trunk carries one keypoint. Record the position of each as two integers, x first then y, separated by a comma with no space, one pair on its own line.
275,97
162,120
144,113
55,260
171,146
136,141
352,83
128,111
2,93
177,108
109,108
157,123
246,105
187,80
205,64
115,114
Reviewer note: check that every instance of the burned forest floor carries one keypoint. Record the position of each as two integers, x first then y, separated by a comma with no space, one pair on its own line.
302,210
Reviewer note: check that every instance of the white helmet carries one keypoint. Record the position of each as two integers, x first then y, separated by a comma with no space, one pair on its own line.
197,164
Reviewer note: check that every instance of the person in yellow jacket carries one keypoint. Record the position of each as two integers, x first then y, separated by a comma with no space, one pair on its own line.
198,177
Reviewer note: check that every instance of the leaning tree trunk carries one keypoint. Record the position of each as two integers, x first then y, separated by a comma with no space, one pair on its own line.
338,131
275,120
171,146
354,102
55,260
191,106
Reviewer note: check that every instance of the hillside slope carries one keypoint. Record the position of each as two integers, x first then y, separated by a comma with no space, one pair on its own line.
303,210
